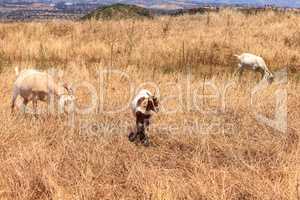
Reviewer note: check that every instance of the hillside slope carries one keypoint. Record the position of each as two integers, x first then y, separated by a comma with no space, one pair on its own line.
118,11
183,3
206,141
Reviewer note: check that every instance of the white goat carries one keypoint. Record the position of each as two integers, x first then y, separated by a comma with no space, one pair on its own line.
143,105
33,85
255,63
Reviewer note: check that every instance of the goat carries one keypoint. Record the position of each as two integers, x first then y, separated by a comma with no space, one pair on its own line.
255,63
143,106
33,85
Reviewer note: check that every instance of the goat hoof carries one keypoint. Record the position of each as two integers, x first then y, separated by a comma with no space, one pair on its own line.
132,137
146,143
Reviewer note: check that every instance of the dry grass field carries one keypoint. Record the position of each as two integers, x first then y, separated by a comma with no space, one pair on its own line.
201,148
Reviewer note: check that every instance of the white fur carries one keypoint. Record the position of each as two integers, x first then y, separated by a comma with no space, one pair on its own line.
142,93
33,85
253,62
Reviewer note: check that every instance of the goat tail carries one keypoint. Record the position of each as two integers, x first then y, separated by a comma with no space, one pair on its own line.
17,71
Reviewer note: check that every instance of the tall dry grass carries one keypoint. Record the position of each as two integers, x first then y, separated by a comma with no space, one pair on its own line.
195,154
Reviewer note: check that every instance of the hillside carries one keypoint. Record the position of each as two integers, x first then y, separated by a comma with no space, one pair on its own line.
180,3
118,11
207,141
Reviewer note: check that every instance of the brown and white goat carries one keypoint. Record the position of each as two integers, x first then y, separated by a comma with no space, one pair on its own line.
143,106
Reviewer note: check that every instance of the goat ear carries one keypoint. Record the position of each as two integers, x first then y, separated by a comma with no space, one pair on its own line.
142,104
152,105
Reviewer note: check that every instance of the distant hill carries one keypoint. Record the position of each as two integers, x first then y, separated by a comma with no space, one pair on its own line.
118,11
177,3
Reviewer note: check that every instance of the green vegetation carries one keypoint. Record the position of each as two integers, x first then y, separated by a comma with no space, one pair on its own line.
119,11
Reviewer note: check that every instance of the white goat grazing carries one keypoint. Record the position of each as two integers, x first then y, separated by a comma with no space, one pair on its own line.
143,105
33,85
255,63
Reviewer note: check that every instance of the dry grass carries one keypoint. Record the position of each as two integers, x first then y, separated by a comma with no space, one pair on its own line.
45,159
